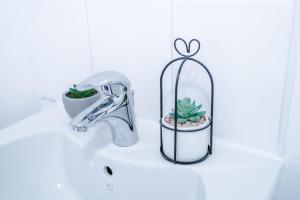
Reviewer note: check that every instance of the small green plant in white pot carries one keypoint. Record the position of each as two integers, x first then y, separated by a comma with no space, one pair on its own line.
192,140
76,101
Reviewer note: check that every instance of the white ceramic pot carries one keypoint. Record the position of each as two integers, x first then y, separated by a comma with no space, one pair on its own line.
191,145
74,106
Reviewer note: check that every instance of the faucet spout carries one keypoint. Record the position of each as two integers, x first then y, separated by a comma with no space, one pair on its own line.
114,107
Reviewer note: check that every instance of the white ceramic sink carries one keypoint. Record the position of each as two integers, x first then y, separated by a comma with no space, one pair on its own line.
42,159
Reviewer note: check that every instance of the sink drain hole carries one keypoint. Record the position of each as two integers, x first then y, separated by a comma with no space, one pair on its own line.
108,171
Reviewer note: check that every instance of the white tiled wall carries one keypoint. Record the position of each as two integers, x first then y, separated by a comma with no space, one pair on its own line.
43,49
132,37
244,43
19,96
289,187
60,46
289,183
246,46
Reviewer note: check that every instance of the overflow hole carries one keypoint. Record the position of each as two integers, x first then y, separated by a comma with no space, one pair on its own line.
108,171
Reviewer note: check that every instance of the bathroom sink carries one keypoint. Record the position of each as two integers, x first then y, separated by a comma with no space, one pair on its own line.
43,159
40,167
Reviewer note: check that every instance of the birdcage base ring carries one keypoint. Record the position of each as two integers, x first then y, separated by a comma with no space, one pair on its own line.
185,163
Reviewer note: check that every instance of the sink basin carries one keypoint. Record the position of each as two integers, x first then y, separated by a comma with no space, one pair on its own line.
43,159
46,165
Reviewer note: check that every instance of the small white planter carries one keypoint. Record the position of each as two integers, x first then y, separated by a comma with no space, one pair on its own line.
191,145
74,106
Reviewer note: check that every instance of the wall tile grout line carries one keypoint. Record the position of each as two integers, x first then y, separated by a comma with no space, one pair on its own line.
288,88
89,37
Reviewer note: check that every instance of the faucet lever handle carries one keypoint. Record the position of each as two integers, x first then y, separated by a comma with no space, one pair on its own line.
113,89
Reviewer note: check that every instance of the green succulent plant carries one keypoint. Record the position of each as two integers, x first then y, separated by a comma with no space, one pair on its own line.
76,94
187,111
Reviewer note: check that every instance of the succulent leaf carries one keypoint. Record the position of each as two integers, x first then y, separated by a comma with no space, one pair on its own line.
182,120
187,111
194,119
76,94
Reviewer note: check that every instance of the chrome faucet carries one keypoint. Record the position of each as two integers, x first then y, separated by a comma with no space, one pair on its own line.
115,107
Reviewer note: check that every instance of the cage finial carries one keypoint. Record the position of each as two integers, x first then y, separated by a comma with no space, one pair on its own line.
187,47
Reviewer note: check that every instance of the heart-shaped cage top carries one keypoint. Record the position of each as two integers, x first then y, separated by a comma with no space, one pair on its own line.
188,46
